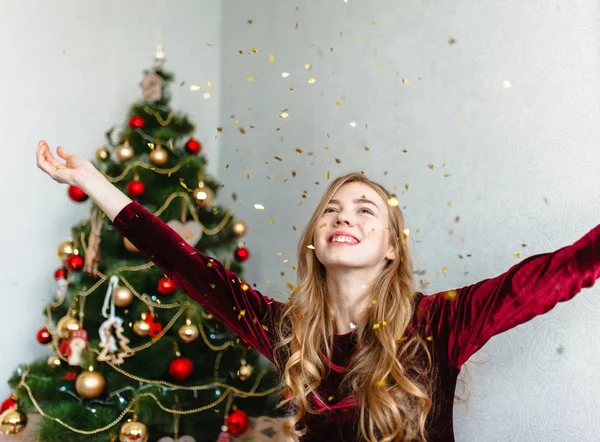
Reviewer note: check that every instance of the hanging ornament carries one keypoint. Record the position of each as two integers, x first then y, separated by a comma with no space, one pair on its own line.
12,422
241,254
155,327
124,152
190,231
136,122
75,346
133,431
65,249
135,188
239,229
193,146
122,296
74,262
43,336
237,422
115,135
77,194
141,328
8,403
158,156
166,286
188,332
203,196
152,85
224,435
54,361
59,274
67,325
113,326
129,246
102,153
90,384
180,368
245,370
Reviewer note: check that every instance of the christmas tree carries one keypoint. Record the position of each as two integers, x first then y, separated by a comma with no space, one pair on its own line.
133,357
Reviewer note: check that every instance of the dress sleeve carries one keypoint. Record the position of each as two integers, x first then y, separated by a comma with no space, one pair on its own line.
465,319
233,302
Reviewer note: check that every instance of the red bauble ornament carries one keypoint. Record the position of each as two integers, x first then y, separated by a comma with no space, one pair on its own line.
74,262
242,254
8,403
135,188
180,368
237,422
193,146
137,122
166,286
155,327
76,194
43,336
60,273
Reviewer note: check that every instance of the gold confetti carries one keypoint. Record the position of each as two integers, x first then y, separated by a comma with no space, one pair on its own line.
271,58
368,149
259,207
310,246
296,26
404,80
219,129
307,66
291,89
298,150
311,80
374,301
250,21
245,287
375,326
337,160
265,327
353,124
450,295
210,84
451,41
429,338
405,232
506,84
373,23
194,87
285,74
254,50
206,95
330,398
393,201
284,115
328,174
445,270
271,221
337,103
517,255
250,78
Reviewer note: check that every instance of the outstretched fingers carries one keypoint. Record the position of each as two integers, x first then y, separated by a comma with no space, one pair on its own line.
46,161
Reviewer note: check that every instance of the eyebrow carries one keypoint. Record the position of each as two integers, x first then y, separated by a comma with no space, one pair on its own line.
356,201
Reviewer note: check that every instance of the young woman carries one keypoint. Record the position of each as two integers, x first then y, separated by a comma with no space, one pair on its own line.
362,355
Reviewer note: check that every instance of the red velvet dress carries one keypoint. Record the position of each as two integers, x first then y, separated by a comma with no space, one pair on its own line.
457,325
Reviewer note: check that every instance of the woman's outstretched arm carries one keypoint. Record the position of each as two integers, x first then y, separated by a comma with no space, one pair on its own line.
466,318
204,279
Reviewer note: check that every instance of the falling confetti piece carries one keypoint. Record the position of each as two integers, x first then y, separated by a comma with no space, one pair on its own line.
284,115
310,246
368,149
353,124
285,74
337,103
445,270
210,84
307,66
328,175
254,50
271,58
393,201
250,78
298,150
506,84
271,221
406,232
404,80
206,95
259,207
194,88
311,80
337,160
431,166
450,294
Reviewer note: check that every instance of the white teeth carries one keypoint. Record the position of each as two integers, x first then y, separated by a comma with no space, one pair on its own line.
344,239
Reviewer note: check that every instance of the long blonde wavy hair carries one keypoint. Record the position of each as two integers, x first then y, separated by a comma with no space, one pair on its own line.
390,375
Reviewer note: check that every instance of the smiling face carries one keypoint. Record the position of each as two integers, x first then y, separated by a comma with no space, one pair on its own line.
353,230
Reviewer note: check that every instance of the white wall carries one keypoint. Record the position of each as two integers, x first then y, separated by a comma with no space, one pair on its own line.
69,72
523,163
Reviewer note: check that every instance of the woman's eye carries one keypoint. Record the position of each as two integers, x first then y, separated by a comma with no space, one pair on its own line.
328,209
367,210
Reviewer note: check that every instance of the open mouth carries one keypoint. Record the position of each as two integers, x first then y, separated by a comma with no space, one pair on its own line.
344,240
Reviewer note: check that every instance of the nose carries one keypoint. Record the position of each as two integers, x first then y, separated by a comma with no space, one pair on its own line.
343,218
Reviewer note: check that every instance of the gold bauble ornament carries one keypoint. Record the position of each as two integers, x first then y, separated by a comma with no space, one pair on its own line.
141,328
245,371
122,296
12,421
54,361
203,196
239,229
65,249
159,156
133,431
129,246
90,384
67,325
124,152
188,332
102,153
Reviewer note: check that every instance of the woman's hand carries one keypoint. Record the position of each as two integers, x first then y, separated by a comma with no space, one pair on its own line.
73,171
